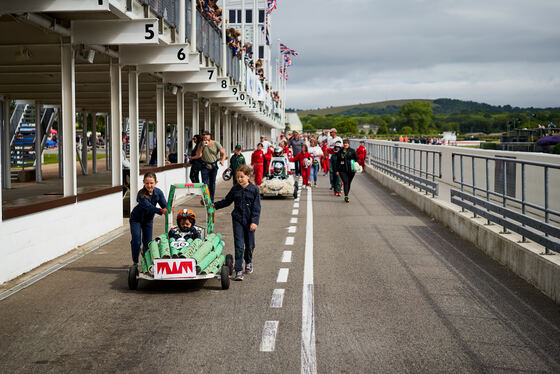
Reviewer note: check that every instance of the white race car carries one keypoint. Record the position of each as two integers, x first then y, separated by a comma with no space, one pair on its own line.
278,182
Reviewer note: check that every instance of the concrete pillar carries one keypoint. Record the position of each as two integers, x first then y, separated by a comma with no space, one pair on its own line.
38,143
68,85
94,144
133,128
192,41
218,126
180,125
207,113
195,116
116,124
6,178
84,143
107,144
182,21
235,129
160,125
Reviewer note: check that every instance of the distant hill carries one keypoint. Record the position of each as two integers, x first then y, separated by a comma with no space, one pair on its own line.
440,106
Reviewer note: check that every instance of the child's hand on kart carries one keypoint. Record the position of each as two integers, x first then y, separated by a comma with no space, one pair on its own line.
253,227
164,211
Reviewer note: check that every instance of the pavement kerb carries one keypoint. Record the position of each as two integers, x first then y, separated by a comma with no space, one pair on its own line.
524,259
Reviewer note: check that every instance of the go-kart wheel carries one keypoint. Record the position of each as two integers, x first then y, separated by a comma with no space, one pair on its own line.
229,263
224,277
295,190
133,277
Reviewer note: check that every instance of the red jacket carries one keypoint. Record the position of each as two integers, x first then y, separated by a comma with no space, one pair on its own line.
257,158
300,157
268,154
361,152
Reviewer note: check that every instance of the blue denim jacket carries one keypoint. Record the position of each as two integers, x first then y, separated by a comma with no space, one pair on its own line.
247,208
147,206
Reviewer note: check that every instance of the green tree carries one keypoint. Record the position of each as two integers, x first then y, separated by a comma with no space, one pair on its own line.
383,129
347,126
406,130
418,115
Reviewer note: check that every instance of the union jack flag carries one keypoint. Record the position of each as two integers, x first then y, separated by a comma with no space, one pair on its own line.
270,6
264,29
287,51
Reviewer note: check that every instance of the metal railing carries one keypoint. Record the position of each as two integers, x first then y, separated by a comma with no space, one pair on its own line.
417,167
501,204
168,10
208,39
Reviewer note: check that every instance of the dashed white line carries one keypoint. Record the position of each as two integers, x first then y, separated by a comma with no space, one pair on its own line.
282,275
277,298
296,205
287,256
292,229
289,240
268,340
308,352
293,220
295,212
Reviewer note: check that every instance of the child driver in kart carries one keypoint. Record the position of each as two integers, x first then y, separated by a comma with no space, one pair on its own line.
185,226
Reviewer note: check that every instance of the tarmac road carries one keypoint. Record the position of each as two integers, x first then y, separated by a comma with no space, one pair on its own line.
393,292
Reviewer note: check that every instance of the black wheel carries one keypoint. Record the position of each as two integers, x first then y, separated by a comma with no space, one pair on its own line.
229,263
224,277
295,190
133,277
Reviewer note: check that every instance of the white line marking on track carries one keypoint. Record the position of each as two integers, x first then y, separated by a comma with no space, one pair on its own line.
287,256
292,229
269,336
295,212
277,298
282,275
296,205
293,220
289,240
308,352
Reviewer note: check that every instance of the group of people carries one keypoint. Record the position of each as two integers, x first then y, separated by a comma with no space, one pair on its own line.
307,155
210,10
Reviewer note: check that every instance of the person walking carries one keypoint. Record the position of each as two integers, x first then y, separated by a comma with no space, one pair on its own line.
344,159
142,216
257,161
296,142
236,160
196,164
317,154
209,158
245,218
362,154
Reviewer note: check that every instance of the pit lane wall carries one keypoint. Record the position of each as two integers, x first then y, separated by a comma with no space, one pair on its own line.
31,240
524,259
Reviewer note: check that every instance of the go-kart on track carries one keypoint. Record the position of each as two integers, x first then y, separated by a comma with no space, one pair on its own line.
393,292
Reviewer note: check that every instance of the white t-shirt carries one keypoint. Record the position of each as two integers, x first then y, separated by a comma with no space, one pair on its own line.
266,144
332,141
316,151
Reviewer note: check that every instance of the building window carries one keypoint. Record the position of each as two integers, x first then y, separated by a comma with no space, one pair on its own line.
239,19
261,16
232,14
249,15
261,51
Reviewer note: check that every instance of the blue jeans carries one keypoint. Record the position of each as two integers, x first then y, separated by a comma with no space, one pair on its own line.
244,242
209,178
141,234
314,173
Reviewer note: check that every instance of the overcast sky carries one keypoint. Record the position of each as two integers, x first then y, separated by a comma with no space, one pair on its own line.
359,51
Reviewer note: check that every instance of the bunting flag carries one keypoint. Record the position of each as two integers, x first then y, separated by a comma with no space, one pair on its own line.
287,51
270,6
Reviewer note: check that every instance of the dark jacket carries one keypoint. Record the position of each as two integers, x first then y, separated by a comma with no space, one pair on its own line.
343,162
247,201
147,206
236,161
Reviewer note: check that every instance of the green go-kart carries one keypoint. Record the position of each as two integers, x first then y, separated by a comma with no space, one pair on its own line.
170,259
